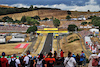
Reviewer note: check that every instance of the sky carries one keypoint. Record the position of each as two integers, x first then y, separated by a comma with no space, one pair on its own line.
79,5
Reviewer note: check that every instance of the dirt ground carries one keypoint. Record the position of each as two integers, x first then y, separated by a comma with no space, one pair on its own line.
74,47
9,48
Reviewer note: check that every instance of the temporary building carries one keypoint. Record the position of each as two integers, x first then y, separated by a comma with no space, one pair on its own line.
14,34
89,26
85,26
74,18
94,30
87,40
2,40
80,18
81,26
21,36
84,18
17,40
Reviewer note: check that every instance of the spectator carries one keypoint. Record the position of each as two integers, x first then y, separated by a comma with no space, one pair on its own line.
8,58
26,59
62,55
59,61
83,58
55,54
40,62
37,55
14,62
92,56
99,60
50,52
78,60
50,60
73,55
4,61
21,59
34,58
69,61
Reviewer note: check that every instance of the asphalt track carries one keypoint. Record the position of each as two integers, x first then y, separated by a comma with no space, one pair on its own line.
48,44
33,43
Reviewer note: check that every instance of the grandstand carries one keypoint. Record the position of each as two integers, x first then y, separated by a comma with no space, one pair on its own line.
13,29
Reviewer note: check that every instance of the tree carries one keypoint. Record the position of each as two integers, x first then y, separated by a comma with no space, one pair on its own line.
28,19
88,10
32,21
31,29
46,18
56,22
17,21
89,22
23,19
36,23
7,19
69,12
72,27
83,23
91,17
31,7
68,17
96,21
36,17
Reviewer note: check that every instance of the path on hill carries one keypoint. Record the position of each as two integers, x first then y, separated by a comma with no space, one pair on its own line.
86,51
47,44
33,43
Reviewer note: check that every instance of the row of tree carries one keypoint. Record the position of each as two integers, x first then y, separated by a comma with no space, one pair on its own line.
4,11
72,27
34,21
24,19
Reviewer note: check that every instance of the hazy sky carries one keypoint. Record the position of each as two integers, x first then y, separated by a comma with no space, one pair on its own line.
80,5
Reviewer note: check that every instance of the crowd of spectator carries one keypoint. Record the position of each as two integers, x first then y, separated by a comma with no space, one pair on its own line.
27,60
84,33
48,60
13,28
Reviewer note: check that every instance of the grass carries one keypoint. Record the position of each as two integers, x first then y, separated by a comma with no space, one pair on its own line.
39,47
55,44
37,43
74,47
9,48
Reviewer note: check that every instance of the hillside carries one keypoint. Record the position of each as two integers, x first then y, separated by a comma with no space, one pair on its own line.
3,6
60,14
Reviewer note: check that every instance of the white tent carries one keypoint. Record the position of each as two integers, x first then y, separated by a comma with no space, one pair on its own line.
81,26
87,39
3,40
21,36
84,18
94,30
17,40
89,26
14,34
85,26
80,18
43,25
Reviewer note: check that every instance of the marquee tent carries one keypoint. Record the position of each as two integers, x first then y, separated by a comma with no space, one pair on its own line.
94,30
